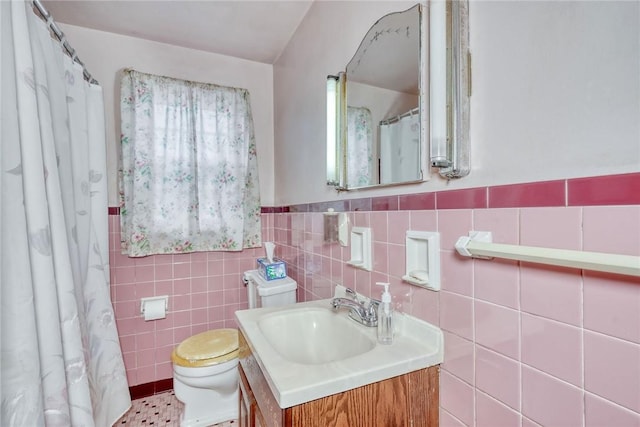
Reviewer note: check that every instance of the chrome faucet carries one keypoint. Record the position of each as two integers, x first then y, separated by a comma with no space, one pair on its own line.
360,311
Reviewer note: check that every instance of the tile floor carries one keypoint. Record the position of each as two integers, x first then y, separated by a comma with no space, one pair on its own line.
162,409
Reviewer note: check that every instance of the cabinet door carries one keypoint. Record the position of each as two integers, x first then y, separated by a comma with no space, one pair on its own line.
258,418
243,413
246,417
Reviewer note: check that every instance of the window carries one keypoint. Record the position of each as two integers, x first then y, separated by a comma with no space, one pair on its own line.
189,167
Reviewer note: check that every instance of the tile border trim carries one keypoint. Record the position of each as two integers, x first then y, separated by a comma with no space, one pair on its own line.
622,189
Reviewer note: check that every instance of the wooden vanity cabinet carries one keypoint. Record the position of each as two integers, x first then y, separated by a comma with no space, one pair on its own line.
407,400
249,414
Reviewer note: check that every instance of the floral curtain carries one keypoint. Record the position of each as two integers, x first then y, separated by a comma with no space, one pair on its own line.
189,167
360,169
61,362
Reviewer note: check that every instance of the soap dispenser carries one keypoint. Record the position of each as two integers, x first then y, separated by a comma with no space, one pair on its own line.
385,317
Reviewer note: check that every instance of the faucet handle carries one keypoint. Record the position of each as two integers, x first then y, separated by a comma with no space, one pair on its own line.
351,293
373,305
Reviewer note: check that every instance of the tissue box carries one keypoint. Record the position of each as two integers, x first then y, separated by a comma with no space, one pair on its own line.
272,271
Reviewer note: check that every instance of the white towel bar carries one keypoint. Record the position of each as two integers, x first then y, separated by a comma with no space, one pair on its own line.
479,244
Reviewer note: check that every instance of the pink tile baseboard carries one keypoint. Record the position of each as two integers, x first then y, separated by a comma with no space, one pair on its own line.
149,389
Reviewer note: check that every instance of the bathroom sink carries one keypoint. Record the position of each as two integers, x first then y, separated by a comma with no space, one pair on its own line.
314,335
308,351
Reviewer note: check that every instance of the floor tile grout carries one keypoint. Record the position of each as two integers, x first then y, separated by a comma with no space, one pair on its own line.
162,409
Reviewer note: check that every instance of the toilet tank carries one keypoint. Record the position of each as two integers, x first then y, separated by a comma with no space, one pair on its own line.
272,293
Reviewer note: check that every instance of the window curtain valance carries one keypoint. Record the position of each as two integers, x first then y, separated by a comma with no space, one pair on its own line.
189,172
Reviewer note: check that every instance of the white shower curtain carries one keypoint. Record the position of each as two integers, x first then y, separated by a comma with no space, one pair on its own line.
61,363
400,150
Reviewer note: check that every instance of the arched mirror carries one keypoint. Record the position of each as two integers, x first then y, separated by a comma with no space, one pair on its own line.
383,131
392,114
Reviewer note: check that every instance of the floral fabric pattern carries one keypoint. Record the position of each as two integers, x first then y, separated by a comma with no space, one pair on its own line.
189,167
360,171
61,361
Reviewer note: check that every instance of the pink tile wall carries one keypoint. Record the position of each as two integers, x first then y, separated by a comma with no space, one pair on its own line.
525,345
204,289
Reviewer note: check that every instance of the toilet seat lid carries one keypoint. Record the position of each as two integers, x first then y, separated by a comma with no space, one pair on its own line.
201,348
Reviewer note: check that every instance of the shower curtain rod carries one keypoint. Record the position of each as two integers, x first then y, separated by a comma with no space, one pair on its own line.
46,16
400,116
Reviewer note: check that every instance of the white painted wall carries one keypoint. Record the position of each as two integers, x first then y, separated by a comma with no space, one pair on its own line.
105,54
556,93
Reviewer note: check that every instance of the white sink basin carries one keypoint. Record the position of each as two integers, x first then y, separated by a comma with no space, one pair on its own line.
307,351
314,335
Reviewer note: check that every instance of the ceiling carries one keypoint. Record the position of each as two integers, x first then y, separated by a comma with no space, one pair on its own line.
254,30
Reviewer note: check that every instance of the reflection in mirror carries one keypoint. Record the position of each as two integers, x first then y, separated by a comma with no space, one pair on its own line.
381,101
383,132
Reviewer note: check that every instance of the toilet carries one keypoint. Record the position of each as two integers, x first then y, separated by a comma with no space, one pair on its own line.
205,366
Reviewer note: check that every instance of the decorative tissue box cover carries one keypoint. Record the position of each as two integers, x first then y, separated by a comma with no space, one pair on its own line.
272,271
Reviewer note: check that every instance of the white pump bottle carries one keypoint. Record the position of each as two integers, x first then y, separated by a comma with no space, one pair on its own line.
385,317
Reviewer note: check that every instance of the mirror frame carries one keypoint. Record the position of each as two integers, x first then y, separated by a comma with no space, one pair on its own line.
452,47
